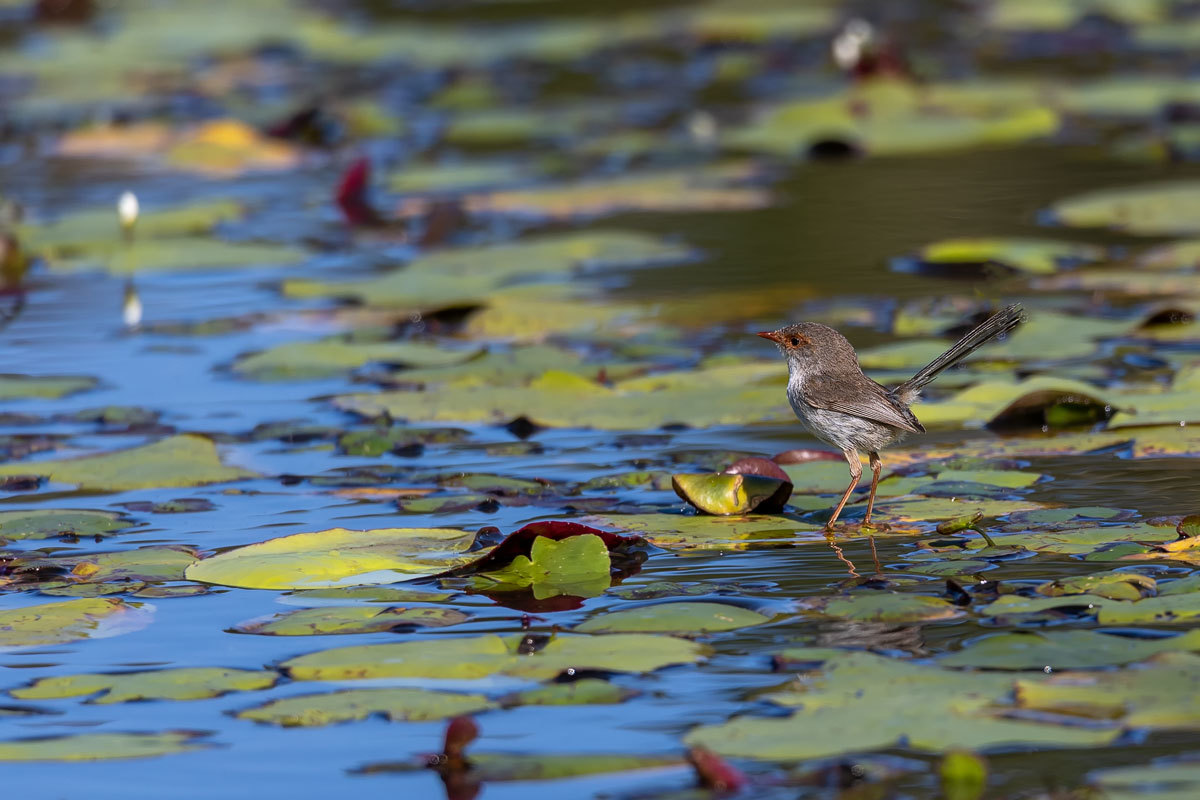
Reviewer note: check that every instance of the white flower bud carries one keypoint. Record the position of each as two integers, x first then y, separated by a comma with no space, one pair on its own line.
127,209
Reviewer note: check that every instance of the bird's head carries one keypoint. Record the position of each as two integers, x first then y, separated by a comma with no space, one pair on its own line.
803,344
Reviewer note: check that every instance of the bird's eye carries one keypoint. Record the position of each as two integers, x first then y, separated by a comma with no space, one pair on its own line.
795,342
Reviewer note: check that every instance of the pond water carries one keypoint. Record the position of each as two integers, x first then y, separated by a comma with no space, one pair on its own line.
1040,527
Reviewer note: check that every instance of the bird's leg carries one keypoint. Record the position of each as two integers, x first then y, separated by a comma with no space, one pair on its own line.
855,473
876,466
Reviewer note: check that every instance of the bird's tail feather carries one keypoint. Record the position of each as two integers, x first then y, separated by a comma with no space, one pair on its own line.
998,324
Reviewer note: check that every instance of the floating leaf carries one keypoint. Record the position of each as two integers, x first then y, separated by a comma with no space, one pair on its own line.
891,607
1158,694
479,656
1032,403
43,386
1076,541
1165,780
680,617
861,702
1114,585
185,460
336,557
502,767
168,684
44,523
67,621
351,619
578,566
725,494
588,691
1064,650
356,704
308,360
706,532
1147,209
1037,256
98,746
156,563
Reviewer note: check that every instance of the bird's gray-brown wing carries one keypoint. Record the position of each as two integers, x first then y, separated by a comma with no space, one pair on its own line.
866,399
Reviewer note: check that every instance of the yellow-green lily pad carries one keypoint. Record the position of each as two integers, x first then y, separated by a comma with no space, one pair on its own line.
183,460
44,523
1036,256
1023,650
889,607
47,387
307,360
336,557
67,621
707,532
325,620
99,746
479,656
724,494
680,617
414,705
1155,209
188,683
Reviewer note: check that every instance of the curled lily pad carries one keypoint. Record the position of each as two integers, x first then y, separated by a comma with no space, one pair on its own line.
185,460
724,494
169,684
336,557
99,746
326,620
1032,403
43,523
67,621
578,566
355,704
479,656
858,702
680,617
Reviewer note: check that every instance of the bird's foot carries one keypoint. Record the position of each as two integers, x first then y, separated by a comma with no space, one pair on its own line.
861,528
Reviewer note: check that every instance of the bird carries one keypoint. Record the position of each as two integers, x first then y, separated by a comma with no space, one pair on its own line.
842,406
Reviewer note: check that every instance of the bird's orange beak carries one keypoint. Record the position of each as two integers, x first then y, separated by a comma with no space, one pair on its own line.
772,335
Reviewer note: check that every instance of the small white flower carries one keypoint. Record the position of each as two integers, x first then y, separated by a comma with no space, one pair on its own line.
127,209
848,45
131,308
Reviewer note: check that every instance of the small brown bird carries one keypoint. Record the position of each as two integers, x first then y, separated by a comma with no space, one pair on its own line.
842,406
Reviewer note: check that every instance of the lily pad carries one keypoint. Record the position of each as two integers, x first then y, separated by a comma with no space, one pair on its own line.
67,621
1036,256
1155,209
351,619
336,557
184,460
680,617
579,566
890,607
860,702
707,532
1024,650
725,494
308,360
197,683
588,691
1121,585
479,656
44,523
356,704
1159,694
99,746
47,387
1166,780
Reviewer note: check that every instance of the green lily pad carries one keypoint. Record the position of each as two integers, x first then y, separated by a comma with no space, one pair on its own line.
1031,403
1015,604
452,276
374,594
1156,209
503,767
84,231
1162,781
155,563
184,460
312,710
44,386
891,607
1064,650
579,566
457,176
67,621
99,746
1036,256
681,617
707,532
44,523
725,494
479,656
1158,694
1114,585
588,691
308,360
197,683
1076,541
1167,610
860,702
351,619
336,557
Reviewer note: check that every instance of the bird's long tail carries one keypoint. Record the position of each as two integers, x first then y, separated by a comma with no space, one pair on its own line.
997,324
